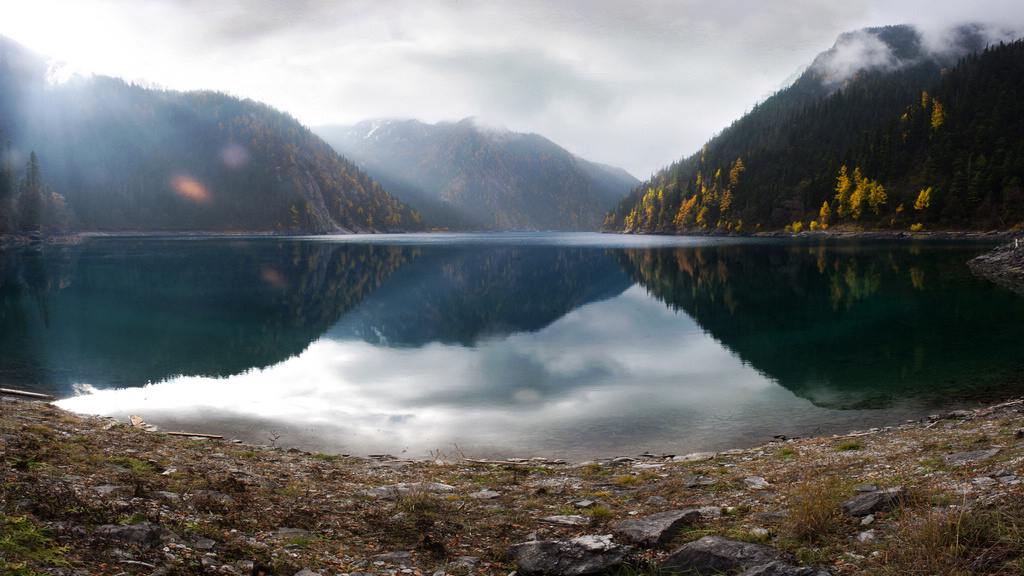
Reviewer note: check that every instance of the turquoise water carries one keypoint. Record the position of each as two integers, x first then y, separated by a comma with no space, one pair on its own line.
563,345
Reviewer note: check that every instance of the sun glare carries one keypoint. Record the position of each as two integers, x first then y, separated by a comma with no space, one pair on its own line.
78,37
191,189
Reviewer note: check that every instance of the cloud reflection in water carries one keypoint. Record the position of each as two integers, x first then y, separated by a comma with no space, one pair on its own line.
620,375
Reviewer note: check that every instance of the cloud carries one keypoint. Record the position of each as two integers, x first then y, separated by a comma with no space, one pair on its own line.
855,51
633,84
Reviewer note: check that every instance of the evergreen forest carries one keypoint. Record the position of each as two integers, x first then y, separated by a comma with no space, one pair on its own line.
98,153
924,147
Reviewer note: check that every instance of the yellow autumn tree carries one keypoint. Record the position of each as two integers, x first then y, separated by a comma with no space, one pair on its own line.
734,174
938,114
923,199
844,192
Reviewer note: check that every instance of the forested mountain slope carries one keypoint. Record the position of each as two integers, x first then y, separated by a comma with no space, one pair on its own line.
107,155
464,176
905,138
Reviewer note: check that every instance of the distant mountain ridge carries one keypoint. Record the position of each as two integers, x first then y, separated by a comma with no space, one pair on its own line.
888,129
128,158
463,175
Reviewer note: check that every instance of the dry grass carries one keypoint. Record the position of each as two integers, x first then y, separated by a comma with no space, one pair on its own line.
958,541
814,507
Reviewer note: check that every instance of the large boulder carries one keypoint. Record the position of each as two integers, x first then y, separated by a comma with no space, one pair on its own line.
656,529
876,501
573,557
717,554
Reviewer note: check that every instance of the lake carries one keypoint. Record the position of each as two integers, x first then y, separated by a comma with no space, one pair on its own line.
572,346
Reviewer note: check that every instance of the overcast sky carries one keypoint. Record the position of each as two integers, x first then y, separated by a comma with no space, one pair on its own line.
636,84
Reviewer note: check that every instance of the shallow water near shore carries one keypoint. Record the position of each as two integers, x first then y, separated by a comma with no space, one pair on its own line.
485,345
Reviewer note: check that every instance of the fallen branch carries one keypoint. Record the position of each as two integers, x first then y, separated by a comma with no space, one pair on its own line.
214,436
35,395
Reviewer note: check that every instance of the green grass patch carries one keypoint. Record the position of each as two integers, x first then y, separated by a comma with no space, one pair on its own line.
850,445
21,542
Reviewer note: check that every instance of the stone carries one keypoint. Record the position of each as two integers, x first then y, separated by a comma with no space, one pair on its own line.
867,536
211,497
141,534
695,457
972,456
567,520
783,569
397,491
760,532
690,480
877,501
771,516
756,482
469,561
579,556
718,554
656,529
287,533
485,495
113,491
403,558
984,481
656,501
307,572
710,511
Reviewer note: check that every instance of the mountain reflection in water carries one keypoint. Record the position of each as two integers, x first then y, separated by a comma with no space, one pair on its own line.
851,325
572,345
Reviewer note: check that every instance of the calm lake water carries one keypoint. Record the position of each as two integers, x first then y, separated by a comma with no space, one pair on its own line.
561,345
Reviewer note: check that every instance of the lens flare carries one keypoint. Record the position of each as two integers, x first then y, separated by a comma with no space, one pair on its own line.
191,189
234,156
273,278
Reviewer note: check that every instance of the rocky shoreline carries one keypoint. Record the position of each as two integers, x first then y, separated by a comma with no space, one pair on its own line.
1004,265
83,495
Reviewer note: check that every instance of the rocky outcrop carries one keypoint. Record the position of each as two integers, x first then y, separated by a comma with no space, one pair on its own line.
656,529
718,554
875,501
569,557
1004,265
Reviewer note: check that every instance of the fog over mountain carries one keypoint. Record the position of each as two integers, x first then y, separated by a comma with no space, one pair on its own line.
468,174
892,48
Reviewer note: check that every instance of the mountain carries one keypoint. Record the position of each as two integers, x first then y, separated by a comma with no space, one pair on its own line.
468,294
123,313
887,129
117,156
464,176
